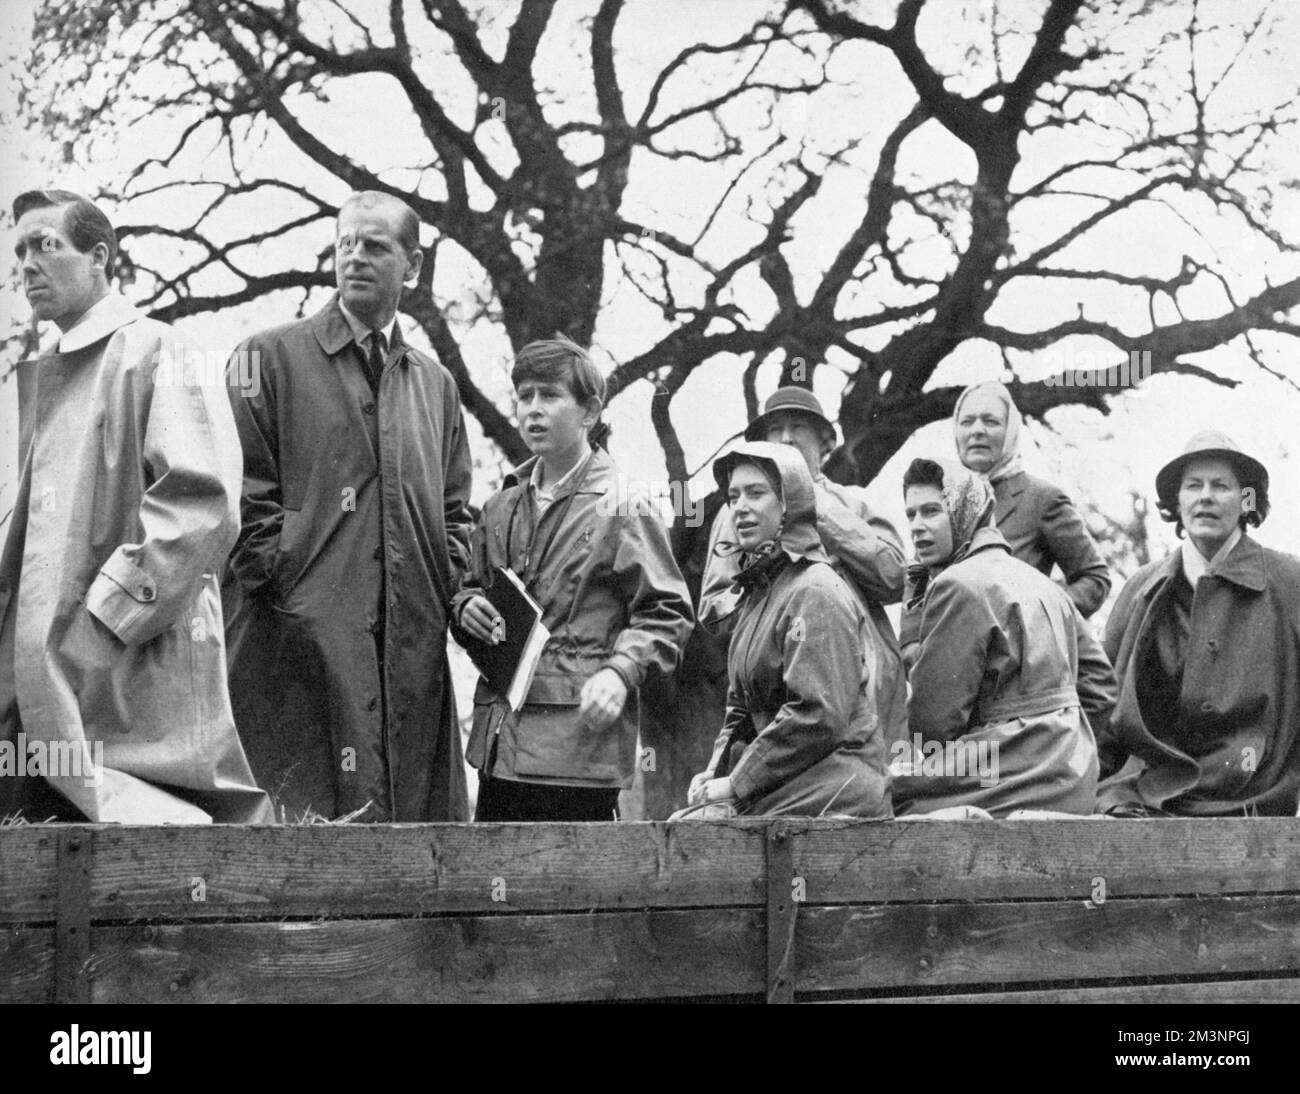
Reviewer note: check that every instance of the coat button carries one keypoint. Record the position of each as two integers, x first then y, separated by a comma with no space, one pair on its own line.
379,551
369,408
146,593
1207,707
371,703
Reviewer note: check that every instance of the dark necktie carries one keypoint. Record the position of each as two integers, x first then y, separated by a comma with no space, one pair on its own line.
375,361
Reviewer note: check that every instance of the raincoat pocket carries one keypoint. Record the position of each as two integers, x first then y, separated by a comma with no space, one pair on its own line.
553,741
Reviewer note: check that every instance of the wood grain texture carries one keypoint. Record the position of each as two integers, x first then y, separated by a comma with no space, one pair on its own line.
1211,991
360,870
551,958
714,952
924,945
26,965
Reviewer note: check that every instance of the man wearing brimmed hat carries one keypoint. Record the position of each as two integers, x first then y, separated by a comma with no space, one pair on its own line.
1206,643
864,548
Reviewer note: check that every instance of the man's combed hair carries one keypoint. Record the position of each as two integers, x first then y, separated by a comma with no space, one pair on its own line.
408,233
84,223
923,472
559,358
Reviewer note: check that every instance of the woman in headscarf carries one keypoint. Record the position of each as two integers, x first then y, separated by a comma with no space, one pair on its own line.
1008,682
1036,518
1038,521
800,735
1206,642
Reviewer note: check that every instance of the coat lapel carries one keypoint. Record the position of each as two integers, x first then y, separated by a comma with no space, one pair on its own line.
1008,497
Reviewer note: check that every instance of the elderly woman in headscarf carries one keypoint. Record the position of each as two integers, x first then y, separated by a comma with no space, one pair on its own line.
1206,642
799,735
1036,518
1008,683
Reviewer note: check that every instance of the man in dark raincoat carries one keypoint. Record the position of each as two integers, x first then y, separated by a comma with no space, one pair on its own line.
355,534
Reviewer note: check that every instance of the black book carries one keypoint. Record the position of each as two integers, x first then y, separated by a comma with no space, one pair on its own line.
508,667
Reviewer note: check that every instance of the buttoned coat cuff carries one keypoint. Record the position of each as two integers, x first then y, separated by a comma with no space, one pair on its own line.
123,598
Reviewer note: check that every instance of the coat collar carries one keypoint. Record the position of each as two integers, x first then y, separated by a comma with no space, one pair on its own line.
334,333
106,316
1244,566
987,538
598,479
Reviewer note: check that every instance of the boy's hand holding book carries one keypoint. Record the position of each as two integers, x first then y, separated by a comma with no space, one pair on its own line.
483,621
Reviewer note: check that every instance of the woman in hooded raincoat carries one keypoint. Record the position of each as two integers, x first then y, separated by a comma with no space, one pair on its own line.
800,735
1008,682
1036,518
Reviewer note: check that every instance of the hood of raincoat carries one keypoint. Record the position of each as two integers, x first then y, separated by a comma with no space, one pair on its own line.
798,536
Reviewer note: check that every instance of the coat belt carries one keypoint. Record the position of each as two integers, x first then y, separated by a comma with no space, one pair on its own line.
1028,706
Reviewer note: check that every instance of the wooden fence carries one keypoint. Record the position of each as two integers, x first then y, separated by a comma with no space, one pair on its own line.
1171,910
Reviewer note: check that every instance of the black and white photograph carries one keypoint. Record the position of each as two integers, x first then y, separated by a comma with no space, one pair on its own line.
651,501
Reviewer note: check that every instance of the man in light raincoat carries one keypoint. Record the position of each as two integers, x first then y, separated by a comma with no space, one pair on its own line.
113,703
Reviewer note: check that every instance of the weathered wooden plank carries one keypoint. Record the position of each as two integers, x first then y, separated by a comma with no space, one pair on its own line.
27,965
609,955
854,948
1006,860
72,923
1203,991
347,870
696,952
29,887
340,871
782,919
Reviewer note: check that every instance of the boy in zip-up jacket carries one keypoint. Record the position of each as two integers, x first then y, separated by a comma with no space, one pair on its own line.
616,606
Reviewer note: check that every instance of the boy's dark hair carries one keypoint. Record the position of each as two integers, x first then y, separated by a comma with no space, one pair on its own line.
923,472
84,222
558,358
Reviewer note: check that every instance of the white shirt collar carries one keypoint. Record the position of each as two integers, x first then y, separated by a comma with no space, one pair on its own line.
548,493
1195,564
101,319
361,332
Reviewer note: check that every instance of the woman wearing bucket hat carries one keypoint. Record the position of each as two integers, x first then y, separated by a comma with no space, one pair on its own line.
863,547
1206,643
1036,518
1008,682
800,735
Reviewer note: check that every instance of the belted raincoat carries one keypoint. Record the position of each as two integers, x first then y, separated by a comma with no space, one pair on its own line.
866,552
611,597
801,734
